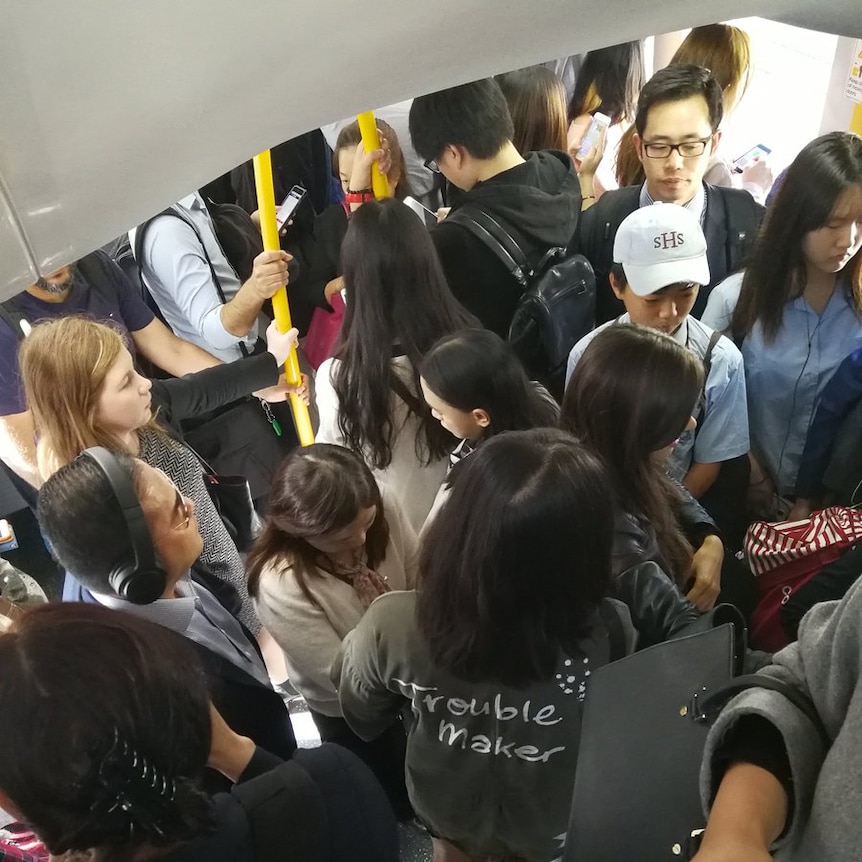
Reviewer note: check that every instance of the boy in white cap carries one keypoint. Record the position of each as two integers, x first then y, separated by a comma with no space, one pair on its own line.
660,264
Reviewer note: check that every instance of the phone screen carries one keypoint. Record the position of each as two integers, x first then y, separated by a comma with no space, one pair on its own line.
754,155
289,205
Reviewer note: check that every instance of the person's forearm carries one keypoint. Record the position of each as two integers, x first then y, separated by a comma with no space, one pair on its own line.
183,357
750,810
239,315
700,478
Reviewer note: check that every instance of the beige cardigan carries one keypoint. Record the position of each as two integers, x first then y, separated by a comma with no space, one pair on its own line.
310,634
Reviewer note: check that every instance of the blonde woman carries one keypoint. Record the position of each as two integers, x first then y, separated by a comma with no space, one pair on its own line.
83,390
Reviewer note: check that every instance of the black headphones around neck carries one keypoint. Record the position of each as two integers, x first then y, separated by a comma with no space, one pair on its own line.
139,579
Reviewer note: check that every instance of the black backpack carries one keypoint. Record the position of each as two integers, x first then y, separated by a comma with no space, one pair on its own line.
557,307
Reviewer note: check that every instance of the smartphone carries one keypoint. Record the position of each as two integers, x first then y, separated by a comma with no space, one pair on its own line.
752,156
428,217
289,205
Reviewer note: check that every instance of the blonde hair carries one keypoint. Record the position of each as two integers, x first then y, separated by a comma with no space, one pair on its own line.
726,52
63,364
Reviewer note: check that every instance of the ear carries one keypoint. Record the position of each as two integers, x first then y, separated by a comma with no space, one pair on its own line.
639,148
716,139
481,418
618,288
459,154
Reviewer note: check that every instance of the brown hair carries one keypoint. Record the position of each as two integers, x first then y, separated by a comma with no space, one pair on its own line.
632,394
537,104
317,489
349,137
63,364
726,52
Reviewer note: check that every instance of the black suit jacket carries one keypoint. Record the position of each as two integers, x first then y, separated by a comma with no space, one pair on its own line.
731,220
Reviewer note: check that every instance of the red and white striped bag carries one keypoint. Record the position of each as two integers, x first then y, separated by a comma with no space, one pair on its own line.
786,555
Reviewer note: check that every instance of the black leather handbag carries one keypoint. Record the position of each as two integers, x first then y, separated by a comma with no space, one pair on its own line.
646,719
232,498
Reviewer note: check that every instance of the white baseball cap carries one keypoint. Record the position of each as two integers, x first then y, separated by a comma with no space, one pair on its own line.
659,245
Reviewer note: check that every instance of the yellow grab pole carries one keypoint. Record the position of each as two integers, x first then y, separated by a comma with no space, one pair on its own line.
371,141
269,232
856,120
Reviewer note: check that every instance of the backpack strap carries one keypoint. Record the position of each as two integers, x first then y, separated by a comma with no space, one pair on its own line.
98,271
707,367
175,213
490,232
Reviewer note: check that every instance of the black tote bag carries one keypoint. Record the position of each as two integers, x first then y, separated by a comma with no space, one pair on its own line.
646,719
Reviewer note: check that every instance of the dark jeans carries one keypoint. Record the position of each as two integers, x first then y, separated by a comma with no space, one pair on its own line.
384,756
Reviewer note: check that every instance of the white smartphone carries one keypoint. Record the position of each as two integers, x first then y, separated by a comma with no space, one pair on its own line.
752,156
289,205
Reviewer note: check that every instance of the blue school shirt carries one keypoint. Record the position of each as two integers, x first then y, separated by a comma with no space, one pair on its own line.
723,430
786,378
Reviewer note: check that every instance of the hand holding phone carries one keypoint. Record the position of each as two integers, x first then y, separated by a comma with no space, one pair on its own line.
288,206
757,153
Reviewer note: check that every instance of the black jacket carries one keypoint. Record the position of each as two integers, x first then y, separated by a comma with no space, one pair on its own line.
731,220
659,610
180,398
249,707
322,805
538,203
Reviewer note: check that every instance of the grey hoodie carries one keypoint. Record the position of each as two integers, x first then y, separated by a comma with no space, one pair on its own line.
826,665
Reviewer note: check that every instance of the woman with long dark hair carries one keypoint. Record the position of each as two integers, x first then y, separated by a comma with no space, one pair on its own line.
632,394
796,310
494,652
368,396
331,545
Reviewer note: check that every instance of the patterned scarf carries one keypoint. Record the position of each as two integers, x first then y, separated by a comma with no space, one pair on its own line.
366,583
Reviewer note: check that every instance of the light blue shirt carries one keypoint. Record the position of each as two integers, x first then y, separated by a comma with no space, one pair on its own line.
723,432
199,616
178,276
785,378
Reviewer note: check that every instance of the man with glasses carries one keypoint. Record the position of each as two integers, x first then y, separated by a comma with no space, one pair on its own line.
679,112
465,134
89,525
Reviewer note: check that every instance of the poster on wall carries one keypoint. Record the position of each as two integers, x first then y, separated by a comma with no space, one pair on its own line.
853,89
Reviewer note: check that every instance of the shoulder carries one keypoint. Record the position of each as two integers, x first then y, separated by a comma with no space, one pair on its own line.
723,351
742,209
395,608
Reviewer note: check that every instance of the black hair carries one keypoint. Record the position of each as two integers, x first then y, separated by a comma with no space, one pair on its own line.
397,298
516,561
87,696
81,521
775,273
676,83
616,75
474,116
476,369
